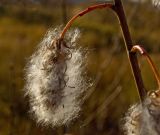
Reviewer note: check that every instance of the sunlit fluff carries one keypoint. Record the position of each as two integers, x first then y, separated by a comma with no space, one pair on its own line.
144,119
131,126
156,3
54,88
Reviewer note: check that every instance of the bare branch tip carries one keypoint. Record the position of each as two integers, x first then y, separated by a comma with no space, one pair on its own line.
138,48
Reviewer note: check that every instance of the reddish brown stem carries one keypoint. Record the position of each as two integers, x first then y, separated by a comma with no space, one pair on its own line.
118,8
89,9
153,67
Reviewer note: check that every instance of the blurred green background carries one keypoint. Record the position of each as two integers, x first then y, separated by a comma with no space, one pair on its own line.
23,25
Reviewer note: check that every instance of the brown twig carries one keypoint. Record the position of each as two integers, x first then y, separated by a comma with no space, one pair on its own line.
89,9
153,67
118,8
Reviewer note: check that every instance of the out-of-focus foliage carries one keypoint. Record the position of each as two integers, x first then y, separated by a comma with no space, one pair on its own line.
22,27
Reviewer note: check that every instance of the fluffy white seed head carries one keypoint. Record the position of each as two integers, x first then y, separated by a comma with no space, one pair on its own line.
144,119
55,82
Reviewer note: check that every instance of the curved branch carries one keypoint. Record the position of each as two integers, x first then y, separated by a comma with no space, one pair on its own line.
118,9
89,9
149,60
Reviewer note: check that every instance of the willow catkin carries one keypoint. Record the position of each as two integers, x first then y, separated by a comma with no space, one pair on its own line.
144,119
54,83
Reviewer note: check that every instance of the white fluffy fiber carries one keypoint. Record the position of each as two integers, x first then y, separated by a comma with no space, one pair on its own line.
131,126
143,119
156,3
53,92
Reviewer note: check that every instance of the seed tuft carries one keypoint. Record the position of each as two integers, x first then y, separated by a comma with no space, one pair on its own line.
55,79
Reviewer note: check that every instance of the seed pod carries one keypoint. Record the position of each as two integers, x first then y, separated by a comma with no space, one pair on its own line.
144,118
153,106
54,79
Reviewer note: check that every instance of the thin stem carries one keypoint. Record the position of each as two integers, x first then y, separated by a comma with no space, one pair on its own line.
153,67
118,8
89,9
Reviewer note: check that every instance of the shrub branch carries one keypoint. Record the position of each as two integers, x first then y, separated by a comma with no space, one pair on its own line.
118,8
89,9
149,60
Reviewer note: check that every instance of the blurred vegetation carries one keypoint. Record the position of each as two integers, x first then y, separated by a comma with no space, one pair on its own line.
22,27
